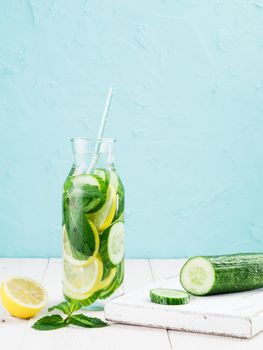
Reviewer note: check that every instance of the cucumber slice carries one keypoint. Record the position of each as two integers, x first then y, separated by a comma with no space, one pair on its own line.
84,179
86,193
106,282
120,275
197,276
169,296
103,174
119,188
112,244
116,283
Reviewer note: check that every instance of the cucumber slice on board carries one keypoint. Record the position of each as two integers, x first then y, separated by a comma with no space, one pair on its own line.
169,296
112,244
204,275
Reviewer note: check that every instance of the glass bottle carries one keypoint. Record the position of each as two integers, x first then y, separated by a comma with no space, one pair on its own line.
93,225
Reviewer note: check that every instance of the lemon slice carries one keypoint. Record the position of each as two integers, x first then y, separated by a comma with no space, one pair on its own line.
82,279
107,281
104,216
74,295
67,250
23,297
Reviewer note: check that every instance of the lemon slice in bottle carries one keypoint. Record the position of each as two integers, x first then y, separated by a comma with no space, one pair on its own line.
23,297
82,279
104,216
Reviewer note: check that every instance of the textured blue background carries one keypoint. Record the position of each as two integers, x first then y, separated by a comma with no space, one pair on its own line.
187,112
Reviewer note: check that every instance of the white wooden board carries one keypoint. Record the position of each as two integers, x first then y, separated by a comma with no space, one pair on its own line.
236,314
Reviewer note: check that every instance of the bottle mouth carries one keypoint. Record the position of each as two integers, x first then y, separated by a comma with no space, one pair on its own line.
83,145
85,139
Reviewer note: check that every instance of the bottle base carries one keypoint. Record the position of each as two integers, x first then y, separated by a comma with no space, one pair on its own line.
98,305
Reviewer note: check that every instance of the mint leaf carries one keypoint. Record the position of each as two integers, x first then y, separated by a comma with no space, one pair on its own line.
64,307
87,198
88,301
86,321
74,306
80,233
49,322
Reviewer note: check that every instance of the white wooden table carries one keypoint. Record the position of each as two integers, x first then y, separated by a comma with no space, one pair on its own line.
17,334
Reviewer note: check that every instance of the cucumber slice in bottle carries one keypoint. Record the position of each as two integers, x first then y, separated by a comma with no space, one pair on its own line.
169,296
81,180
112,244
115,284
119,188
106,282
104,175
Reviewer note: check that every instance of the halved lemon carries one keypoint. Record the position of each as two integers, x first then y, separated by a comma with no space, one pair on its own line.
67,251
23,297
82,279
104,216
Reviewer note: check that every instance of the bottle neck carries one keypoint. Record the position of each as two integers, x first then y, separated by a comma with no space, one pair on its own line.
92,154
84,161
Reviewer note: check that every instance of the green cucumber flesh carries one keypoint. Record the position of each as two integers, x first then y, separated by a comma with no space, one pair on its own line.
112,244
205,275
169,296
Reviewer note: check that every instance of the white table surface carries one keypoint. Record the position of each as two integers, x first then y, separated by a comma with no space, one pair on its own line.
17,334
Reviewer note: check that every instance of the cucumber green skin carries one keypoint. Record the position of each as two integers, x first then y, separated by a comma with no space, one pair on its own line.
107,264
169,300
104,253
235,272
121,200
116,283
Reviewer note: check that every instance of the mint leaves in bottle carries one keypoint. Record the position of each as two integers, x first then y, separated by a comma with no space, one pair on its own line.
93,226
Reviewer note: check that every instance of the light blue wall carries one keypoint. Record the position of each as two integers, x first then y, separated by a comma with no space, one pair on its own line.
187,112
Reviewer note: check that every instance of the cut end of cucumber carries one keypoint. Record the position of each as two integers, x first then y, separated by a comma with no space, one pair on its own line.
197,276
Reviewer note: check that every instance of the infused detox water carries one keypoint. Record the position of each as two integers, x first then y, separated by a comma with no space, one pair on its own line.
93,225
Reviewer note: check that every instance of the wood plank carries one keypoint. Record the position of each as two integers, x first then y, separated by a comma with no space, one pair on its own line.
12,330
166,268
114,337
193,341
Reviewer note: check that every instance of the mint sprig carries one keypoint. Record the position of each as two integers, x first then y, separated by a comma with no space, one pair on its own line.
55,321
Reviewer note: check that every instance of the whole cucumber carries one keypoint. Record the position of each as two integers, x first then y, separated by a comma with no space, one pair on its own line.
204,275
